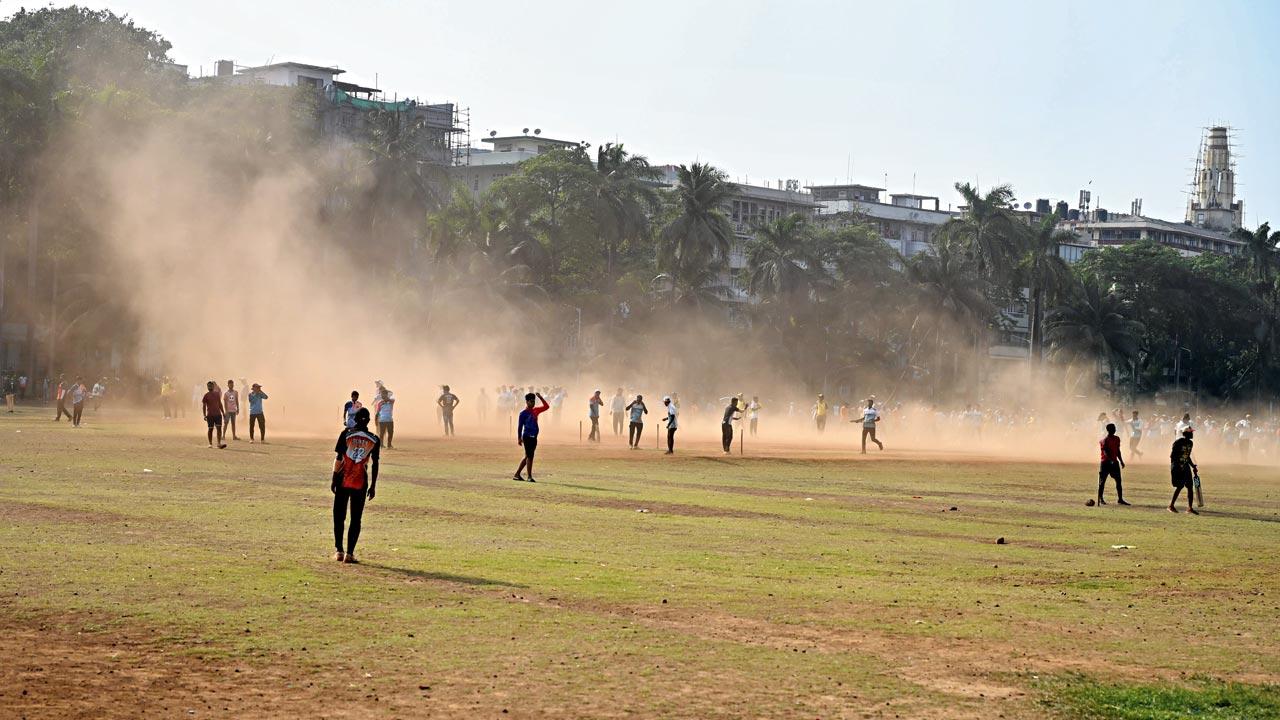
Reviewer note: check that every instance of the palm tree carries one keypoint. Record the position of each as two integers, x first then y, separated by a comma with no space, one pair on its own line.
699,236
1261,244
1096,323
947,281
625,199
987,230
781,262
1046,274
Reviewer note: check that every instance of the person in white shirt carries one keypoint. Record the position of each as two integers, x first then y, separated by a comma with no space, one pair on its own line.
672,423
870,416
1244,425
1182,425
753,413
1135,435
618,407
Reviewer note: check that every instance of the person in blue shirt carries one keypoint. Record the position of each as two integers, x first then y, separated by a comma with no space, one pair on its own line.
636,429
350,408
256,396
527,432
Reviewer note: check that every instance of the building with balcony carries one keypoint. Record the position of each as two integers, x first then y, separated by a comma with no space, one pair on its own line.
907,222
1105,230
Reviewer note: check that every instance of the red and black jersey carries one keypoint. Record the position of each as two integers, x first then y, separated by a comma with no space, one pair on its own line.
355,448
1110,446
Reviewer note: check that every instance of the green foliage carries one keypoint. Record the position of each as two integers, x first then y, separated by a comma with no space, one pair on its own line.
1078,696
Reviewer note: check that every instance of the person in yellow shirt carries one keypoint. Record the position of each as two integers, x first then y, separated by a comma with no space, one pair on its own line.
820,412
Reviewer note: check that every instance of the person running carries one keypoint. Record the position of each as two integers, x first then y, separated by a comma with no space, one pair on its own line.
726,425
230,408
1183,470
447,402
211,406
1135,434
350,408
870,416
753,411
78,394
256,396
62,401
355,478
820,412
1112,462
618,406
593,414
527,432
673,423
384,409
636,429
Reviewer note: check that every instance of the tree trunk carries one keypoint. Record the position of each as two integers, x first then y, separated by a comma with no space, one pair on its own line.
53,318
33,242
1037,320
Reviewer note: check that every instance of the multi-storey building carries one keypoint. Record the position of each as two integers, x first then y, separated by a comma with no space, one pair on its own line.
478,168
907,222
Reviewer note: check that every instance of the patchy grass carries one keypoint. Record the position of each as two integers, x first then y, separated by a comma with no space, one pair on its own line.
1077,696
774,586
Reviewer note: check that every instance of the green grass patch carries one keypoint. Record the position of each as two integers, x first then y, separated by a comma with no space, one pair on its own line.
1079,696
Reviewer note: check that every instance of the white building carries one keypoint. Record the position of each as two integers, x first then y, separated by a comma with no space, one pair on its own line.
478,168
907,222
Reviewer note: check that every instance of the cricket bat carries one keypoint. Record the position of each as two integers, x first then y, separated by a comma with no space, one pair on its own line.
1195,482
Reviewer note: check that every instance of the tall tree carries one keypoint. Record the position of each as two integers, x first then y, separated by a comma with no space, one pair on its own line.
1045,273
1096,324
782,264
625,197
699,235
1261,246
987,231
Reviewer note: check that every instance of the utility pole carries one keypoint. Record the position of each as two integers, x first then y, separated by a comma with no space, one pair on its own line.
33,242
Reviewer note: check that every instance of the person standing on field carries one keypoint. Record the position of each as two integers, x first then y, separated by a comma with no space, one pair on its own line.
820,413
211,406
731,414
256,396
1111,463
672,424
638,411
527,433
230,408
78,393
870,416
593,414
447,402
1135,434
384,408
62,401
350,408
618,407
355,478
753,412
1183,470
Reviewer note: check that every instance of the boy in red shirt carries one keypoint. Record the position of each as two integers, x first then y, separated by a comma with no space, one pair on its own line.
212,406
1112,461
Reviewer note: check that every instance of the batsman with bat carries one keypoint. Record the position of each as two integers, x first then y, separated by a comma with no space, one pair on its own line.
1183,471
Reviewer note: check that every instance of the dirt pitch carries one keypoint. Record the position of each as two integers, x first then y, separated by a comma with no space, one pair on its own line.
788,583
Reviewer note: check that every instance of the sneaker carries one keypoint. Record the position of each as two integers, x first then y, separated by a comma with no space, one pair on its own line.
350,559
1193,511
1122,502
517,478
339,556
531,479
1101,501
222,446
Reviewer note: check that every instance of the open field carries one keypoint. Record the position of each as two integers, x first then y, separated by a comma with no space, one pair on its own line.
829,585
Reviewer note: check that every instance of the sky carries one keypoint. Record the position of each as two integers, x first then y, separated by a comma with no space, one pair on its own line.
1049,97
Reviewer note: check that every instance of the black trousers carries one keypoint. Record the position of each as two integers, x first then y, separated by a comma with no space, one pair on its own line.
633,434
62,410
262,425
595,430
1110,468
726,436
78,409
671,439
342,498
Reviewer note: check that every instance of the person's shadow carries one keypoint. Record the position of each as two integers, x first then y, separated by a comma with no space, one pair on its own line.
443,576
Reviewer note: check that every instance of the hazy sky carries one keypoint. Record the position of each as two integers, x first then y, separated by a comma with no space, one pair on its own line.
1046,96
